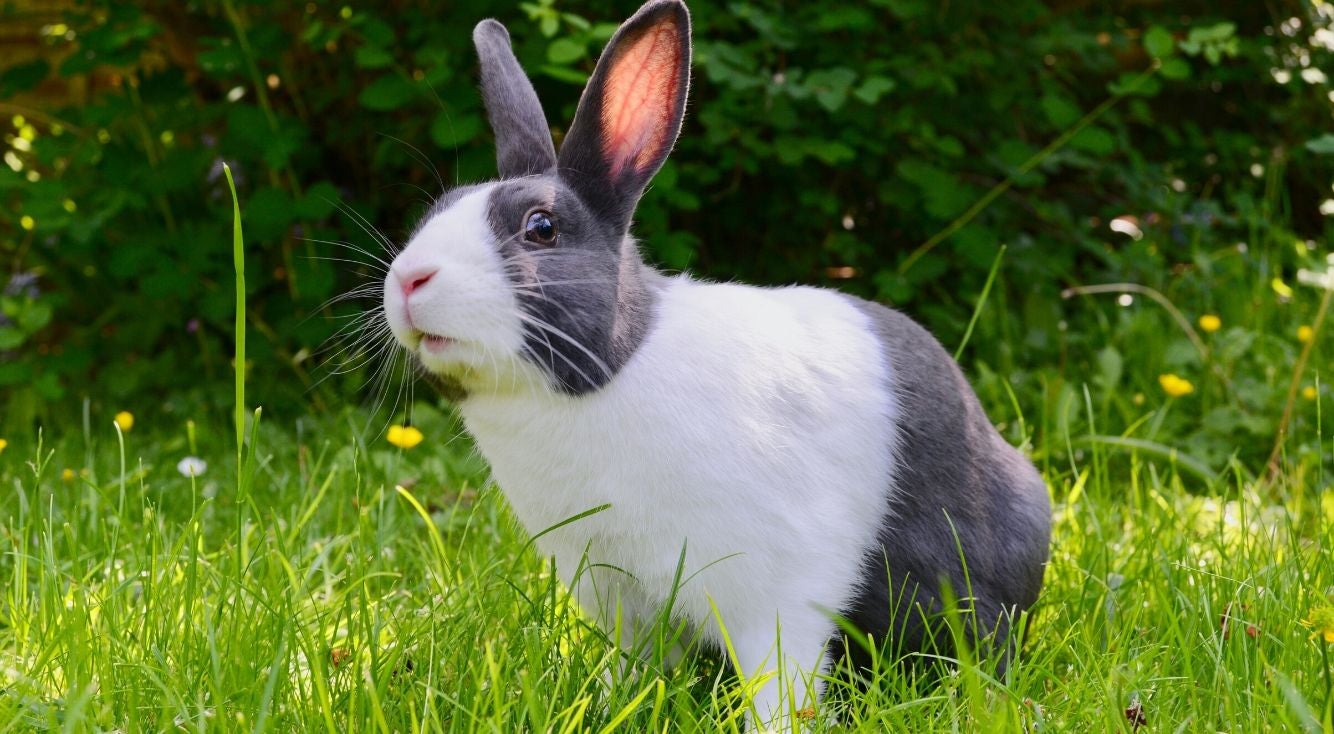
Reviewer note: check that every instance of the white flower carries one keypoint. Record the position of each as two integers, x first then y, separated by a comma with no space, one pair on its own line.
192,466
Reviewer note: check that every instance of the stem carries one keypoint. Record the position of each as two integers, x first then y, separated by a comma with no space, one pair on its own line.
1281,436
1144,290
1161,300
1329,682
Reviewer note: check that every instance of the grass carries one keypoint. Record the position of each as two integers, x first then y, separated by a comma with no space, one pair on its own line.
133,602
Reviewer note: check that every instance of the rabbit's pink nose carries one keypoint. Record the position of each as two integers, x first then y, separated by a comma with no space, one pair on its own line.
414,279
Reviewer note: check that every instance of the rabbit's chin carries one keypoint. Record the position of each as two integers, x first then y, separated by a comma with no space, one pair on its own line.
448,386
459,369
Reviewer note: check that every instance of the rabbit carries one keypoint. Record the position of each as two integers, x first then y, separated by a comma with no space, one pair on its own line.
765,459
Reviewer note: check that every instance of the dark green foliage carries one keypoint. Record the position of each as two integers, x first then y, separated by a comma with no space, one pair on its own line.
824,144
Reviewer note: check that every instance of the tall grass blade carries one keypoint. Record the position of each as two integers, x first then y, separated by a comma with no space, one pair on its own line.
238,262
981,301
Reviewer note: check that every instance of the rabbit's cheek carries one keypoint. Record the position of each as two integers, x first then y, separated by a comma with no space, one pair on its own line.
450,283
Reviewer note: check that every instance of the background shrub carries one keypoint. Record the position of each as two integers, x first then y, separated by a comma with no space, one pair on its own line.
1180,146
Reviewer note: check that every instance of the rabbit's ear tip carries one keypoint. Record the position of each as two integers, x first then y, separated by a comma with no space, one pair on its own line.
490,30
658,8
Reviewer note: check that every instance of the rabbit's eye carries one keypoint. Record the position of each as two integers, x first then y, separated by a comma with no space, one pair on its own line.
540,229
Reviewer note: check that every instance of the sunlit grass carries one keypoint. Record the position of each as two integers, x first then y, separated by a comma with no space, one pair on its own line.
336,607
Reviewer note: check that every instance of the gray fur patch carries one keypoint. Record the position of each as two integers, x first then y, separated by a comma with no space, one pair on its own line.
961,486
523,141
585,304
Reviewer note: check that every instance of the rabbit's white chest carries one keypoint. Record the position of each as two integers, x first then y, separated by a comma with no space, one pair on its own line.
754,428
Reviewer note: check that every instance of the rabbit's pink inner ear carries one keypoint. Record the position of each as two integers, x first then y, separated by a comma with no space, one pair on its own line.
638,99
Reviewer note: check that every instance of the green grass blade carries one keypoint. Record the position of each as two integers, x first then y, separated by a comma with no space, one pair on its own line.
238,262
981,301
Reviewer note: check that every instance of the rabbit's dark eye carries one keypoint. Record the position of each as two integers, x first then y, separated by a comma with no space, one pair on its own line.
540,229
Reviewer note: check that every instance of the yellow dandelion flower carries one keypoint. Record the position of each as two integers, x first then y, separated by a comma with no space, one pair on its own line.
1175,386
1309,392
404,437
3,444
1321,621
27,222
68,475
1305,334
125,420
1210,323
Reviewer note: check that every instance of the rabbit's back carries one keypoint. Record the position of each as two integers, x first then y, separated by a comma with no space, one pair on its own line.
961,490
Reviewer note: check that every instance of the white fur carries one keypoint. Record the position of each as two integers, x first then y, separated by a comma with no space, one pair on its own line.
468,299
753,427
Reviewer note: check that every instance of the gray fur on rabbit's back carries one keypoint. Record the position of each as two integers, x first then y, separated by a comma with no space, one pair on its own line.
957,478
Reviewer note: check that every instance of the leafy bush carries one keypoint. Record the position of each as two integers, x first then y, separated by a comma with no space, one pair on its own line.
824,145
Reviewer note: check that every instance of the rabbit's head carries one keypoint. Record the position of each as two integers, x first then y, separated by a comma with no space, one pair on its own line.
533,279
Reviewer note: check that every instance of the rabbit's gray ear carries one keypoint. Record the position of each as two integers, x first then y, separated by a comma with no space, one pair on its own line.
523,141
630,112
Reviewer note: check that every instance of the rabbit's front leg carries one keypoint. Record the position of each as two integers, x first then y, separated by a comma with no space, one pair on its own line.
785,667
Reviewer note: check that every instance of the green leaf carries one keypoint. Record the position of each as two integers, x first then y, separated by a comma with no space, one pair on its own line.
873,88
602,31
1111,366
892,287
1060,112
1175,69
906,9
1158,41
11,337
830,86
564,73
578,22
949,146
831,151
1135,85
450,130
1323,145
389,92
565,51
372,57
1094,140
944,195
35,316
313,34
1213,42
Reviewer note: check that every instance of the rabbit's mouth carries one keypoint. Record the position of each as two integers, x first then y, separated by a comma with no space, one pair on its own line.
434,343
